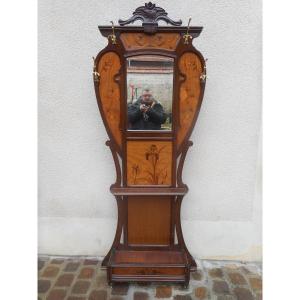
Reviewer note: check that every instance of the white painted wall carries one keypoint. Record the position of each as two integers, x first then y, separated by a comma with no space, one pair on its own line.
221,215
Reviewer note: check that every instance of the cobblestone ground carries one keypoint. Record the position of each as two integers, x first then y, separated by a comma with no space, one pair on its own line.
80,279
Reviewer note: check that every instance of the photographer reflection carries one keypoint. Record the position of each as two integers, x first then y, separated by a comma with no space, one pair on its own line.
146,113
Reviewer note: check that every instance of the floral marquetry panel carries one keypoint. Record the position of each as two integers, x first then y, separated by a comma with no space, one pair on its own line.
109,91
189,95
137,41
149,163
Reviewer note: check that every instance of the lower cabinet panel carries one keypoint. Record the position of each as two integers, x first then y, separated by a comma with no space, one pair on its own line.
147,271
149,220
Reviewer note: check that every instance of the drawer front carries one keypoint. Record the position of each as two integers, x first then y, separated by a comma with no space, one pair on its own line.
148,271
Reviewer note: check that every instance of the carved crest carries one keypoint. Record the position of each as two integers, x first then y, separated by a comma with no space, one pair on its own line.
150,14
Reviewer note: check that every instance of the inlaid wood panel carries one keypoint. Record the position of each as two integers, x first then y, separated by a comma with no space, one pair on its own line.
136,41
109,65
189,95
149,162
149,220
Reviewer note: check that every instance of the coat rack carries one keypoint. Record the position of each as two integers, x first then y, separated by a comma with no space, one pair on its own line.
149,139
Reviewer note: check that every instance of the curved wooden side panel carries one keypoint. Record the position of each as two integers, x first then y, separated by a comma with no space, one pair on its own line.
109,92
137,41
189,94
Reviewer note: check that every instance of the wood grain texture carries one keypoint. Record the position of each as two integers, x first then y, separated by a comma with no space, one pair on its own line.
149,220
157,257
189,94
109,66
148,271
136,41
149,162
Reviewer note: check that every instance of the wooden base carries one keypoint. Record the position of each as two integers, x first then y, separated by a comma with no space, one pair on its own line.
156,265
152,248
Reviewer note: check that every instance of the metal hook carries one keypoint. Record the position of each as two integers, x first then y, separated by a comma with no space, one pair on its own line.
187,36
203,76
112,36
96,75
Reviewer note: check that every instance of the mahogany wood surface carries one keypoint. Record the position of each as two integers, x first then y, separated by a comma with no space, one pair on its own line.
137,41
190,67
149,220
108,67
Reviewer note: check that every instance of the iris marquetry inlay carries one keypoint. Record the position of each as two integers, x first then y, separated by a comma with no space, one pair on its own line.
149,162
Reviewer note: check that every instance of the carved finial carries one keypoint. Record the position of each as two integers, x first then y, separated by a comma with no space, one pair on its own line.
150,14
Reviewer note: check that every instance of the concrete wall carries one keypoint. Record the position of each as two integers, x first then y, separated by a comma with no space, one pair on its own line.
221,215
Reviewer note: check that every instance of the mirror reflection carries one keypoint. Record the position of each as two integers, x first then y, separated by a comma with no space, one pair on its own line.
149,92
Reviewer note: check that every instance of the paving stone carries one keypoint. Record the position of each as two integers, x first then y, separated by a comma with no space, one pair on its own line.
250,269
50,271
182,297
181,287
91,262
215,273
57,261
200,292
86,273
144,284
64,280
72,266
56,285
57,295
41,264
197,275
100,281
230,267
43,285
81,287
243,294
256,283
245,270
163,291
98,295
140,296
120,289
237,278
220,287
259,296
225,297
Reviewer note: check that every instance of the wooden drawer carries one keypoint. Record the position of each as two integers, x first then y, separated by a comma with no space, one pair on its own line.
144,271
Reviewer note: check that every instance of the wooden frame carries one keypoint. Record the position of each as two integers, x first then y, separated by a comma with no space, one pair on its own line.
158,252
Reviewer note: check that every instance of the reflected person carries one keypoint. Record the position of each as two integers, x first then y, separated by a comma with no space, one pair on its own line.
146,113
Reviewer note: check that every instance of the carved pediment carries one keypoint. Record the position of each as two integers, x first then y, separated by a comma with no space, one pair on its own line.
150,14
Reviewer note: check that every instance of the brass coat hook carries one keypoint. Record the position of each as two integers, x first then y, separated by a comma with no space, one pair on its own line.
187,36
96,75
203,76
112,36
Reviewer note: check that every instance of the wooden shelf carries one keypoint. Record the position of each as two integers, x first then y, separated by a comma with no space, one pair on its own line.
135,191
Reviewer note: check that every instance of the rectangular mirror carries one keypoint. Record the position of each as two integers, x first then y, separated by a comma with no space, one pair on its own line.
149,92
